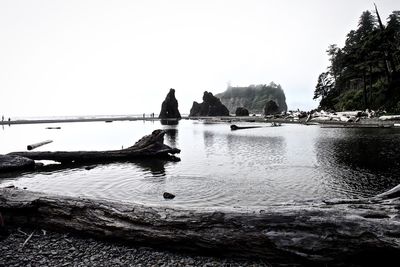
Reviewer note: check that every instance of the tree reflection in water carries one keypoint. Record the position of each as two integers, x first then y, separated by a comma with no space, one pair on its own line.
357,161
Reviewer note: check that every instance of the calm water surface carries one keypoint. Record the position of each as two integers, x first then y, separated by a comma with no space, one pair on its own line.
218,167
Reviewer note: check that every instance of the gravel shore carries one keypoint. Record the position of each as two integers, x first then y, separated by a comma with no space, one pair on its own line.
45,248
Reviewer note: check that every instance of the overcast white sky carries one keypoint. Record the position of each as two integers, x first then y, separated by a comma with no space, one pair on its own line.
121,57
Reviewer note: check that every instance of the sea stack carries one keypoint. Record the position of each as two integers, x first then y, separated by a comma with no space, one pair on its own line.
253,97
271,108
211,106
240,111
169,107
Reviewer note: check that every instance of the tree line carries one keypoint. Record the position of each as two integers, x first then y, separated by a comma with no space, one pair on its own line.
364,74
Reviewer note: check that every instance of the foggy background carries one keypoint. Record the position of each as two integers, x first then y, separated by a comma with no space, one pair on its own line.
121,57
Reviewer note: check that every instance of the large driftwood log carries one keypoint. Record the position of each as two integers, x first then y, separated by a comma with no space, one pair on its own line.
338,232
148,146
15,163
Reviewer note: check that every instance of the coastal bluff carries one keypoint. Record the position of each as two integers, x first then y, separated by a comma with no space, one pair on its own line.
253,97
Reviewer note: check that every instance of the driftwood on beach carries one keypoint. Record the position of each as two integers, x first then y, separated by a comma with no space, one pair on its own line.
148,146
338,232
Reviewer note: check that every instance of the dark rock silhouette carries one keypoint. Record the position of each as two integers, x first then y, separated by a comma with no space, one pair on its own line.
271,108
169,107
240,111
167,195
211,106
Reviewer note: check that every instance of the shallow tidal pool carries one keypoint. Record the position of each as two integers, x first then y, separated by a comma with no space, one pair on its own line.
218,167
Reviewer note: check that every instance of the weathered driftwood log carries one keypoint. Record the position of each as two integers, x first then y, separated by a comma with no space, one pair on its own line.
33,146
15,163
234,127
339,232
148,146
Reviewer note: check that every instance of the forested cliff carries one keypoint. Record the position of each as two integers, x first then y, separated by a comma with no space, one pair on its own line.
253,97
364,73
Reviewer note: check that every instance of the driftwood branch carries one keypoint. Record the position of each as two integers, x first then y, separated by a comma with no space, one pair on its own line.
332,232
149,146
234,127
33,146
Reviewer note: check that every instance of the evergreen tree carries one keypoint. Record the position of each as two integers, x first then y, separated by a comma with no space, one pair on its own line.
365,72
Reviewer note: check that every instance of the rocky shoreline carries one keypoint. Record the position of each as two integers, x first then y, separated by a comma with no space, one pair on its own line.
46,248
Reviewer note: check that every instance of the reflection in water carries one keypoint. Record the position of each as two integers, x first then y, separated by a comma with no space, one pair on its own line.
250,148
355,161
172,136
155,166
169,122
208,138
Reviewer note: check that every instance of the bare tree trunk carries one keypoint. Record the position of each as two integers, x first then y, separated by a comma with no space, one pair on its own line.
149,146
339,232
365,90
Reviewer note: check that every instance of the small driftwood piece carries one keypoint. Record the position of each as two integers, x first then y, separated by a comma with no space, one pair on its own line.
148,146
331,233
33,146
29,238
234,127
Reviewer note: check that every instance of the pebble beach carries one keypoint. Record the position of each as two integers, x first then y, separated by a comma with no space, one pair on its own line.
30,247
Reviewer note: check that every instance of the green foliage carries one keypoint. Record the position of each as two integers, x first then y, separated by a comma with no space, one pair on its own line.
253,97
324,85
365,72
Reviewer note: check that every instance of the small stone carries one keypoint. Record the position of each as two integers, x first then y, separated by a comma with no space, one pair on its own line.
167,195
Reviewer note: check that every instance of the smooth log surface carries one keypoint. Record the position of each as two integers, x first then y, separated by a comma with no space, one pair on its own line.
148,146
337,232
33,146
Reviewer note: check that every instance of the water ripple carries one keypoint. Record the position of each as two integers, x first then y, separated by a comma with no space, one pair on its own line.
220,167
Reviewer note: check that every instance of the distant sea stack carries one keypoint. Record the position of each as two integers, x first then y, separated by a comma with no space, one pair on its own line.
253,97
271,108
240,111
211,106
169,107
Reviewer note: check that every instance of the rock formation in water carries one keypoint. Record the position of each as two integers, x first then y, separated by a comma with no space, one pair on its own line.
271,108
211,106
169,107
240,111
253,97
